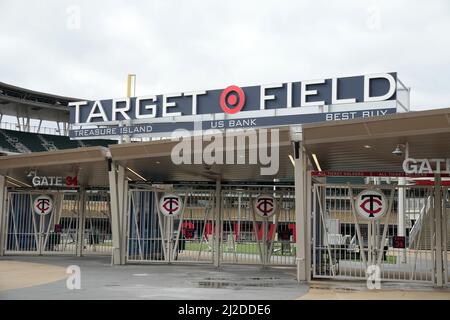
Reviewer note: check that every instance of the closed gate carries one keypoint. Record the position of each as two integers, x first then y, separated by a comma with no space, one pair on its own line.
97,234
65,229
186,237
248,238
345,244
199,234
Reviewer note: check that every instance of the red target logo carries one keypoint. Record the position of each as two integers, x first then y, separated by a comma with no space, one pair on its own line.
232,99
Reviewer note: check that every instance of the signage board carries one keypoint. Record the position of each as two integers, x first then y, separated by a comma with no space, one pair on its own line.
54,181
371,204
399,242
42,204
170,204
426,166
289,103
265,205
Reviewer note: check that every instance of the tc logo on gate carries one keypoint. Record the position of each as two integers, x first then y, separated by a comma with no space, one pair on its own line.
170,204
371,204
42,204
265,205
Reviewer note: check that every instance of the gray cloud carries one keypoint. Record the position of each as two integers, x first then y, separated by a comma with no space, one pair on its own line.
183,45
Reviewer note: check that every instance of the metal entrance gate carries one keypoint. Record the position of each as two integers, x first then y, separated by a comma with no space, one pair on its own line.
344,245
250,239
69,228
188,237
200,235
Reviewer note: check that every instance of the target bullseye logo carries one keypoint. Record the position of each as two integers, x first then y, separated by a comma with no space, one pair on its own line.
232,99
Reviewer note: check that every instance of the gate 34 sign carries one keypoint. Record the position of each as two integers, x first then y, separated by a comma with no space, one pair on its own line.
54,181
371,204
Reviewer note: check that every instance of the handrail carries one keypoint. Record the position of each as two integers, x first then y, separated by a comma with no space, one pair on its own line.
417,225
32,129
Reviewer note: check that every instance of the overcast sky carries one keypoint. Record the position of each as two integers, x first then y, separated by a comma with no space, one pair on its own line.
86,49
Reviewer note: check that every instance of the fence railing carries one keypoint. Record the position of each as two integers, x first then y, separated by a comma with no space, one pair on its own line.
32,129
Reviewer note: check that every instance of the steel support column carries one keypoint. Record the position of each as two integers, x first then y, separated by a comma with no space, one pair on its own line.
308,217
3,213
401,230
301,214
438,230
218,224
81,220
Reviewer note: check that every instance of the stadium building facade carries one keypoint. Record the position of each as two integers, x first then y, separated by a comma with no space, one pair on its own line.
338,206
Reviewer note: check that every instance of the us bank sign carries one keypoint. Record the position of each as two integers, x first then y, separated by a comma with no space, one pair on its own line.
289,103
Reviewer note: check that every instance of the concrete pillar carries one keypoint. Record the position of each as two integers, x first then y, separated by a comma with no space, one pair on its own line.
115,214
401,230
438,230
3,213
122,194
301,213
308,218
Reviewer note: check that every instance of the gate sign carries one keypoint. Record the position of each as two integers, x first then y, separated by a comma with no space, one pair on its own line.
265,205
170,204
371,204
43,205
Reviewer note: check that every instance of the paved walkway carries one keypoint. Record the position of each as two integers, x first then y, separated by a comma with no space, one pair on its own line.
45,278
99,280
22,274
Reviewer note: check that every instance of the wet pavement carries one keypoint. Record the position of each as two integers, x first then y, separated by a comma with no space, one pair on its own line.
100,280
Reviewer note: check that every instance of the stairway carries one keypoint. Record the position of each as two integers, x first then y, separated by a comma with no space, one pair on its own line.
421,235
15,143
48,145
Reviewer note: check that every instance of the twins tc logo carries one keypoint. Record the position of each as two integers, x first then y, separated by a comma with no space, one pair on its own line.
42,204
371,204
265,205
368,205
170,205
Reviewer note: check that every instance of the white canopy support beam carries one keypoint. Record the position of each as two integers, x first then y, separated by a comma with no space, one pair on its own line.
117,178
301,213
3,213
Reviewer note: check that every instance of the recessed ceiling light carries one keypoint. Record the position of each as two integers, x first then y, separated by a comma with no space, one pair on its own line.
367,146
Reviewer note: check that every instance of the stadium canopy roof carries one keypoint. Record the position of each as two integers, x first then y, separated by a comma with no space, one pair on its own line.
351,145
367,144
20,102
152,160
89,164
